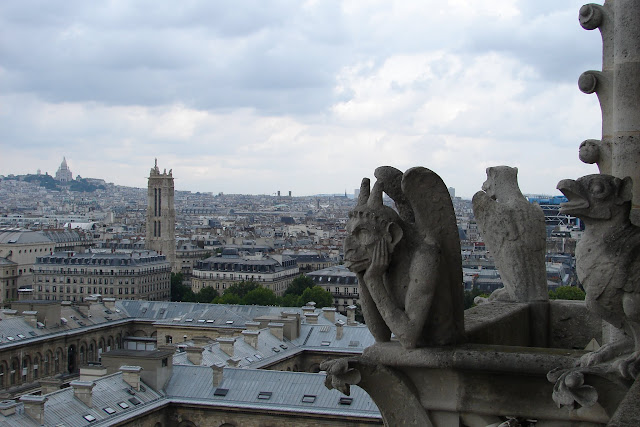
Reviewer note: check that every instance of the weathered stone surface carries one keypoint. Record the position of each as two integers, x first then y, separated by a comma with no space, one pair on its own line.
514,232
408,262
608,260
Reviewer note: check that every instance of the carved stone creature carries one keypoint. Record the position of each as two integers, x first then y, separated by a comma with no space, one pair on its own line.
514,231
407,262
608,261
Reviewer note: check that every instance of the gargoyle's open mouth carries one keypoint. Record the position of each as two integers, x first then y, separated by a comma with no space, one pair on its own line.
577,202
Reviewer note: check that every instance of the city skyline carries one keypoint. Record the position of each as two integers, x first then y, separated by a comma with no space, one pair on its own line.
253,98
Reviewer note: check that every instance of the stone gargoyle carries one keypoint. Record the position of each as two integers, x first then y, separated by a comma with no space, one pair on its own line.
408,262
514,231
608,264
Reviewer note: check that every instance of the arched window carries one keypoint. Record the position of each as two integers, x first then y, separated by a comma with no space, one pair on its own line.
168,339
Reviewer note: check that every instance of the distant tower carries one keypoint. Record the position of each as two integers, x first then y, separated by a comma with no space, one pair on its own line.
161,214
64,174
452,192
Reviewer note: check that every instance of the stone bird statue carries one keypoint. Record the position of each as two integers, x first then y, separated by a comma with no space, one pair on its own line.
608,262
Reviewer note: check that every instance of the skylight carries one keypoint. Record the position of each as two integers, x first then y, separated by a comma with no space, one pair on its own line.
123,405
109,410
325,343
308,398
89,418
345,400
221,392
265,395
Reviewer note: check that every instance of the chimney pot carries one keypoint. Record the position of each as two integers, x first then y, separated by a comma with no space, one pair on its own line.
218,374
329,313
351,315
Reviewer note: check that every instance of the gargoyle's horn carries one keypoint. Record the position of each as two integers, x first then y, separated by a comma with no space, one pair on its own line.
375,199
364,192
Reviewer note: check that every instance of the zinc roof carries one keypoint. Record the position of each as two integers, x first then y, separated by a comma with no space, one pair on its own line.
287,390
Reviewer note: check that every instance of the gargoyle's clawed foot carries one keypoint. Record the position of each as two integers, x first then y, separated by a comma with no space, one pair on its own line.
629,367
604,354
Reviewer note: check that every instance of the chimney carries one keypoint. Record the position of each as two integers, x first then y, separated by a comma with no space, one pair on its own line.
291,322
131,376
34,407
312,318
109,303
218,374
92,372
329,313
226,345
339,329
251,338
309,308
83,390
277,330
194,355
8,407
10,313
252,326
31,317
49,385
234,361
351,315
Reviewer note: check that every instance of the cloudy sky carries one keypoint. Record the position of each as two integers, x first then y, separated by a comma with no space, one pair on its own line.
310,96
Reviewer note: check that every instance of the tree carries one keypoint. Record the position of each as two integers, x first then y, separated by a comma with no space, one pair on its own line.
290,300
299,284
318,295
242,288
228,299
567,292
180,292
260,296
206,295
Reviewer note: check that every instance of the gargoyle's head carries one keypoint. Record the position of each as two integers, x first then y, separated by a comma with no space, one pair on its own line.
596,196
502,182
369,223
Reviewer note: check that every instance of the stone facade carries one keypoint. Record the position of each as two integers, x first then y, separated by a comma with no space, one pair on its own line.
274,272
74,277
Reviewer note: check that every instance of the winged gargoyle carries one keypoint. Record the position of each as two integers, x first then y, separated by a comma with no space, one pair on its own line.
408,262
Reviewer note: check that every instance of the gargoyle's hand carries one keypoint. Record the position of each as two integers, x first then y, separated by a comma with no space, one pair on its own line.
379,262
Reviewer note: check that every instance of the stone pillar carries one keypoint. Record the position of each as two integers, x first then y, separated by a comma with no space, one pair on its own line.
218,374
251,338
131,375
226,345
194,355
34,407
277,330
626,93
83,390
329,313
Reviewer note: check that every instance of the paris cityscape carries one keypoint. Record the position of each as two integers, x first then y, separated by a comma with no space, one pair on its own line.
198,226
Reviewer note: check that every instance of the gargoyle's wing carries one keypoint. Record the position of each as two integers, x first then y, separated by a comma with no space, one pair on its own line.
391,179
431,204
436,221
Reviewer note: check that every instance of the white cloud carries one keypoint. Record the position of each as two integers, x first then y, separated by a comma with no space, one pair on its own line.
308,97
